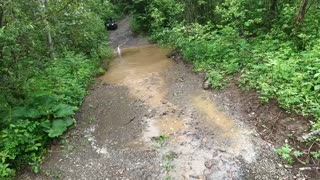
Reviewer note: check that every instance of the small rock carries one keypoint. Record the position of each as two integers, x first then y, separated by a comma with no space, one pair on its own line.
207,172
252,114
164,102
197,136
149,115
194,177
190,133
206,85
288,166
204,140
178,58
121,171
181,79
208,164
222,150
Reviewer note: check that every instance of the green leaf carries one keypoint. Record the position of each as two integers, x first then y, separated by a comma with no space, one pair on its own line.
63,110
297,153
20,112
44,100
25,112
59,127
46,124
317,87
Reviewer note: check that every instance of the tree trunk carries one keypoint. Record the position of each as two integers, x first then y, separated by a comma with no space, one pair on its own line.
272,12
50,42
45,4
2,22
301,12
1,17
273,9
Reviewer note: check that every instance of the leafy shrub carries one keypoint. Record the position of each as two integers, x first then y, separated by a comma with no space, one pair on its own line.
65,77
289,76
46,112
287,153
135,26
216,79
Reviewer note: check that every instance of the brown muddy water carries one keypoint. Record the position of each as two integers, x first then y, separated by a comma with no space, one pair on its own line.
140,70
228,131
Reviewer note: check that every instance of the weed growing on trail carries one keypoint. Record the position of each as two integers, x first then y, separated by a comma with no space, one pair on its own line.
287,153
100,71
315,154
168,165
161,140
54,174
170,156
66,145
92,120
168,161
216,79
167,177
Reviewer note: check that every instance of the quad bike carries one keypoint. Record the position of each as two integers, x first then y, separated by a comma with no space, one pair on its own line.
111,25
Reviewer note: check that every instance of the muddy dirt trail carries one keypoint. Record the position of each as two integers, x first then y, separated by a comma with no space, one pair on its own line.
149,118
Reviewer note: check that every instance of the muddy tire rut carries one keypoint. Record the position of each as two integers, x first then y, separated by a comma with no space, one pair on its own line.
149,118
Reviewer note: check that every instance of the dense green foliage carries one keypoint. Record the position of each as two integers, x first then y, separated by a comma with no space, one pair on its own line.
273,46
49,53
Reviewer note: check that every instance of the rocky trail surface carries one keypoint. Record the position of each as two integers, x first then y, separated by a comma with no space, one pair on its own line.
148,117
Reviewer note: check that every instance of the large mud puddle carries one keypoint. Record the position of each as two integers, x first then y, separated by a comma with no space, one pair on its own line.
137,63
140,69
143,71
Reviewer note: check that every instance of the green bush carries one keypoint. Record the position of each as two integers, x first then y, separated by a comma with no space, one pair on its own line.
51,101
286,152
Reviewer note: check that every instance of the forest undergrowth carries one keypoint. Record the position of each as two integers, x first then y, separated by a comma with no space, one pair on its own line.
50,52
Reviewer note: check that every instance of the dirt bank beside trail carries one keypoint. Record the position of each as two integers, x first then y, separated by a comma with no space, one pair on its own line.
149,118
